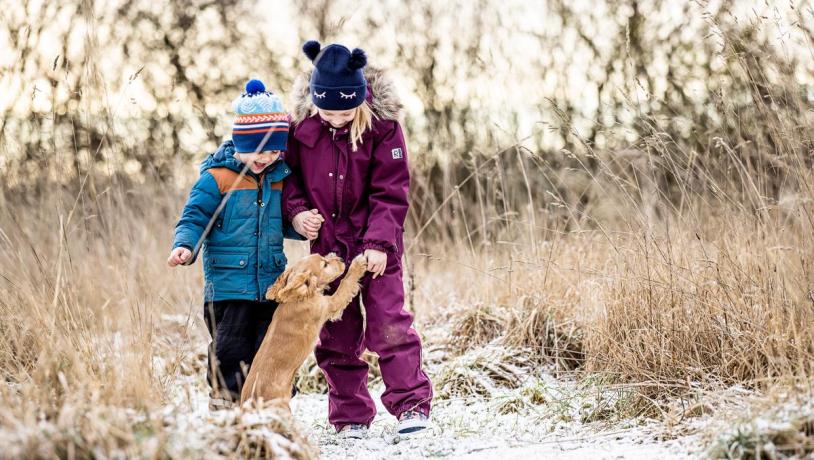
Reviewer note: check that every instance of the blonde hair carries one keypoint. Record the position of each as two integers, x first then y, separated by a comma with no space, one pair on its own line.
362,121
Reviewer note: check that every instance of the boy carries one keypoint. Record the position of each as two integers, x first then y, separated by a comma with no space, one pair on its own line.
239,193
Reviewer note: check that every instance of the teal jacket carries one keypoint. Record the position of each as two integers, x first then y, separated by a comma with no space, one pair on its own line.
243,251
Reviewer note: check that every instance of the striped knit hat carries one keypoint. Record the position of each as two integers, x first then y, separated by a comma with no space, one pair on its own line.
259,113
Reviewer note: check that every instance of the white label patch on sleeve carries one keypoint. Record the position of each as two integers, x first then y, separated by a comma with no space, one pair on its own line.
397,153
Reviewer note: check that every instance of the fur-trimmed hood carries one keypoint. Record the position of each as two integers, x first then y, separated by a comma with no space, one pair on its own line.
382,96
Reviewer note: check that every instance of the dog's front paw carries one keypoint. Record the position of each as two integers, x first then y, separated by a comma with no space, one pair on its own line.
358,266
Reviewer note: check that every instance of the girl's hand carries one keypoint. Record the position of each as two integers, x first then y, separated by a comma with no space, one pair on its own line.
376,262
178,256
315,219
308,223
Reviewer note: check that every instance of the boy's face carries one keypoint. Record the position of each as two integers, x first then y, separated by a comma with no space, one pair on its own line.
258,161
337,118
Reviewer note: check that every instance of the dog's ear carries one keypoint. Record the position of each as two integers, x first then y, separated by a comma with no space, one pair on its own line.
274,290
297,287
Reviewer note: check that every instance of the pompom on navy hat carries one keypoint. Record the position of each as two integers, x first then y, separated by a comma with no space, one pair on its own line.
258,114
338,80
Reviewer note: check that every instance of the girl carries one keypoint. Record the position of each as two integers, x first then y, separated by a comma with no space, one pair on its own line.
349,162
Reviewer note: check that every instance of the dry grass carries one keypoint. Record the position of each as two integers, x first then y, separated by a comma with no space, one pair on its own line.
677,263
474,327
733,308
101,341
95,323
777,425
665,310
542,326
261,434
481,372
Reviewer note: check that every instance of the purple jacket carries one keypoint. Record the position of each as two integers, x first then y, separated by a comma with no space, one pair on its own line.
362,194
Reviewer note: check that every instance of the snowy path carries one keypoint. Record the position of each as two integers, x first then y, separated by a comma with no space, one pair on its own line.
545,417
471,428
475,431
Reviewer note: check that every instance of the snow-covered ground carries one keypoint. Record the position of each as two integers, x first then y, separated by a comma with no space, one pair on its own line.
469,428
543,417
474,430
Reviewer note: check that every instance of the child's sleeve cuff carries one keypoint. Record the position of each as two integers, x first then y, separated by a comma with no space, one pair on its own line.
378,245
294,211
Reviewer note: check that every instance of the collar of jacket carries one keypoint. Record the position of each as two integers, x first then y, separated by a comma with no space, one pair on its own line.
224,158
309,130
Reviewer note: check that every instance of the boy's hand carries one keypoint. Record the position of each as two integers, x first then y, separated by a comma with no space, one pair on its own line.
178,256
376,262
308,223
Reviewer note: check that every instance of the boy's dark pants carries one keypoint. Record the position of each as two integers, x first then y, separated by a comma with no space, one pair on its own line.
237,328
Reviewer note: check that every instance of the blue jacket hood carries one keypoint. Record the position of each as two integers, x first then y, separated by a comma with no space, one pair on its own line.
223,158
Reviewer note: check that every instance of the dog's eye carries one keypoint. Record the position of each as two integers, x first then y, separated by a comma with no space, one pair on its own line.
324,264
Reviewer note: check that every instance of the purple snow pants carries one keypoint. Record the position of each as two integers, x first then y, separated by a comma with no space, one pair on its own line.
388,333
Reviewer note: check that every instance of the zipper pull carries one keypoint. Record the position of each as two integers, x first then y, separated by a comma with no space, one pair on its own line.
333,133
260,191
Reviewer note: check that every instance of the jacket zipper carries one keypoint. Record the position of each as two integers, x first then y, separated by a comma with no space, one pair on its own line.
336,171
259,235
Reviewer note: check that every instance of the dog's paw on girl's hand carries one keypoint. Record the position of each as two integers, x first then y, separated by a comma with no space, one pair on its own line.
358,265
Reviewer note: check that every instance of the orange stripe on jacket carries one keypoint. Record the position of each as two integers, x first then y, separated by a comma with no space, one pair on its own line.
225,177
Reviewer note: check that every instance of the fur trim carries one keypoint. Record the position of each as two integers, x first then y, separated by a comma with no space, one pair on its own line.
386,104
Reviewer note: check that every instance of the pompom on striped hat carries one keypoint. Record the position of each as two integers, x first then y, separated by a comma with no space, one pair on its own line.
259,115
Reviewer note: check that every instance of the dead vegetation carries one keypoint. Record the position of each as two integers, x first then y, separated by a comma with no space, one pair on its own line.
260,434
664,251
475,326
482,372
779,425
542,326
697,308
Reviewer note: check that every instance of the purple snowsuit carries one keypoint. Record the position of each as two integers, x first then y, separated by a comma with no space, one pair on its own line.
363,196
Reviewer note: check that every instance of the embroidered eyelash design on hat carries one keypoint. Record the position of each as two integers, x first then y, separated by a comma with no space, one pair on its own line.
338,80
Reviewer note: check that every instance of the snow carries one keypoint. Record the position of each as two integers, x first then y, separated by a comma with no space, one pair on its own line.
468,428
545,416
471,429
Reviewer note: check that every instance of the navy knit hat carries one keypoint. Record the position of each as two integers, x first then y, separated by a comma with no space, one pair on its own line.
337,82
259,115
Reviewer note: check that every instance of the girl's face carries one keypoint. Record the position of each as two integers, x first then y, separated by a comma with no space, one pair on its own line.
337,118
258,161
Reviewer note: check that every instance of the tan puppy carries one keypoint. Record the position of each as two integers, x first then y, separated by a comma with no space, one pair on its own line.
294,330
